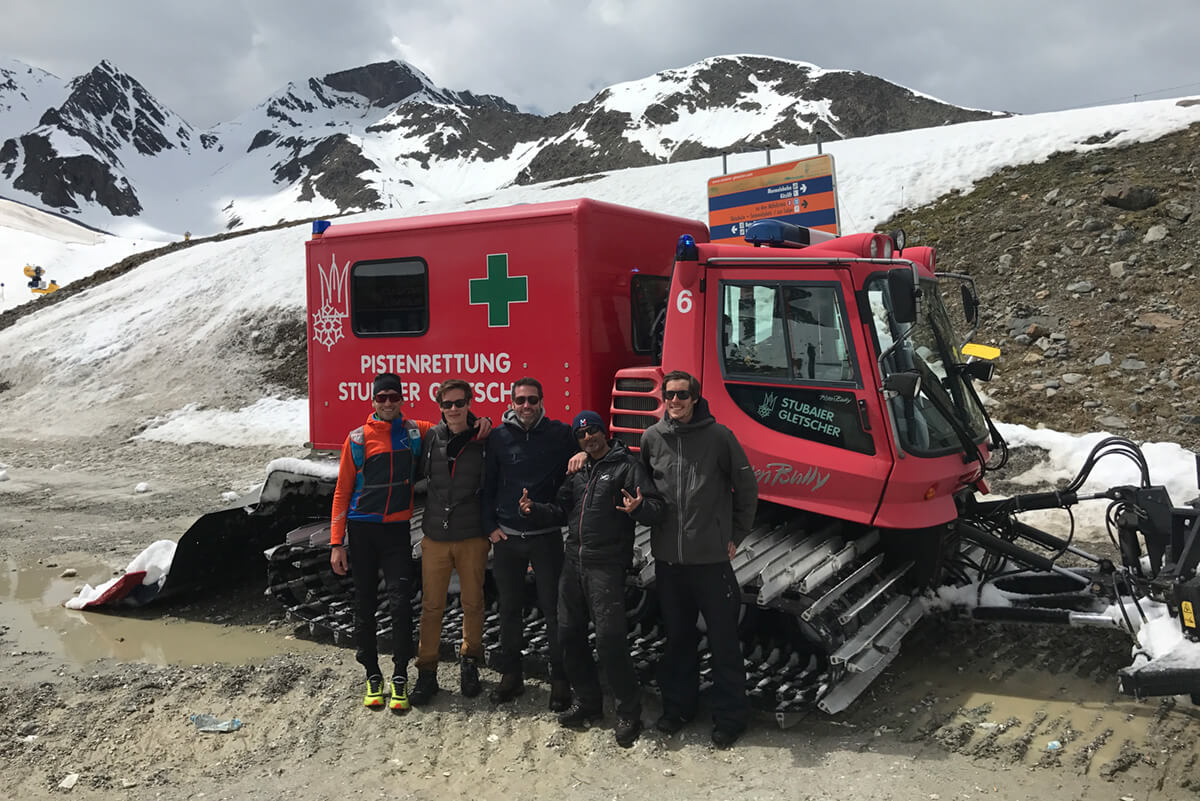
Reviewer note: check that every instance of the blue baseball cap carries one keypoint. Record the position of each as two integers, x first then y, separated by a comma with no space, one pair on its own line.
588,418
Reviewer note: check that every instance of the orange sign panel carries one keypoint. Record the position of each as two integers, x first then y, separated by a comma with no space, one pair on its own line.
799,192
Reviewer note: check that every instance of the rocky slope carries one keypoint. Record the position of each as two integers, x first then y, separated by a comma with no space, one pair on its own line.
1087,267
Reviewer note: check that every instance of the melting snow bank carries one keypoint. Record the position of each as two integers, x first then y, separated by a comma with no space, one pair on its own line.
1171,465
269,421
142,580
1160,637
324,468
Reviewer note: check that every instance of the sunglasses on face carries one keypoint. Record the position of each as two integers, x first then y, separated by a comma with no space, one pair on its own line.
521,400
388,397
672,394
587,431
454,404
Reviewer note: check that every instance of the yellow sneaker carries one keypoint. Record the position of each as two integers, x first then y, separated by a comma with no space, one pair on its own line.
398,702
374,697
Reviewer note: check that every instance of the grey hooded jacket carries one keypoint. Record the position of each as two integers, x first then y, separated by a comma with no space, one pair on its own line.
709,487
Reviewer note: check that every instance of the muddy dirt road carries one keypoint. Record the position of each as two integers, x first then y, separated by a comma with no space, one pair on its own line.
97,706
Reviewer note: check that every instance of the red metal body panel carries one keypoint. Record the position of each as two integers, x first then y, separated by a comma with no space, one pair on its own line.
791,471
572,332
879,488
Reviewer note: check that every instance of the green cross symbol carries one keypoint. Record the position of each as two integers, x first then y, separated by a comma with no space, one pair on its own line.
498,290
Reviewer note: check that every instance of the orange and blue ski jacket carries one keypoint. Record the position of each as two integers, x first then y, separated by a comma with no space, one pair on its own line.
376,473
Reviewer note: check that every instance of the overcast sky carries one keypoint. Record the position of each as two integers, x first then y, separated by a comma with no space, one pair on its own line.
213,60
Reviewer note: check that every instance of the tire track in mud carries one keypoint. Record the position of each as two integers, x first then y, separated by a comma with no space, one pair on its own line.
1043,699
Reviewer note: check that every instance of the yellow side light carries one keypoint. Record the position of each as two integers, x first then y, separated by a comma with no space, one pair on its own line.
981,351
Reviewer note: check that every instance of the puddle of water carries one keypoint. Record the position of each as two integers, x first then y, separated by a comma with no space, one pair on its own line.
1074,711
34,620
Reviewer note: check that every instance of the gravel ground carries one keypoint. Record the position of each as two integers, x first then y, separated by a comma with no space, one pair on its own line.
964,713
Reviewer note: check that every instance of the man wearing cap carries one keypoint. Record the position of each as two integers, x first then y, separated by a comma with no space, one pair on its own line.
599,504
527,454
710,496
373,503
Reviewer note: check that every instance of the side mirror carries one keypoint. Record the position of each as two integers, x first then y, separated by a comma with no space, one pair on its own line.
904,295
970,303
980,371
906,384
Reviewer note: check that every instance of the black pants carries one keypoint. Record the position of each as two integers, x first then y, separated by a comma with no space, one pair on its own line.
510,559
685,591
597,592
386,547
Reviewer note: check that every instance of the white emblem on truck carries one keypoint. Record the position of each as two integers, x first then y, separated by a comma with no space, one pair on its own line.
330,318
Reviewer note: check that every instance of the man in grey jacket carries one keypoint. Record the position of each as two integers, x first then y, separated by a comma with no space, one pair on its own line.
711,495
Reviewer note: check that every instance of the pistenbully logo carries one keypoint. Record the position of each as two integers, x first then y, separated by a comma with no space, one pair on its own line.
330,319
767,406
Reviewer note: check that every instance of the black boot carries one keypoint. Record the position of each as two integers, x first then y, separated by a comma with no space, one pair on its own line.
511,685
426,687
577,715
560,695
627,730
670,722
468,677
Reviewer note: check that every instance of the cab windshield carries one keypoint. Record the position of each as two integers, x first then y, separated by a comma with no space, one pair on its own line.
931,348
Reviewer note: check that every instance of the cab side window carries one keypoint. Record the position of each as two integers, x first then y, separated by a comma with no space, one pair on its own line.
788,331
389,298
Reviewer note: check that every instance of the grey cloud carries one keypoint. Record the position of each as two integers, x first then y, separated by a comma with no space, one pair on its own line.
210,62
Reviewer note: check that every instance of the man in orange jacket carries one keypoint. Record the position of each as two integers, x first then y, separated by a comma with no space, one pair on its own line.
373,500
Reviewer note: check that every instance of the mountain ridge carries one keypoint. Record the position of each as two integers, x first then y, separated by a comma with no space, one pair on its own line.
385,135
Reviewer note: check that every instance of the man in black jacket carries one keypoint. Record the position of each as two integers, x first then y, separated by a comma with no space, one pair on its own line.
454,539
528,453
599,505
711,495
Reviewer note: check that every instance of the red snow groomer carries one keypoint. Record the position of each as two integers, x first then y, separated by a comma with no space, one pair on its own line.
834,360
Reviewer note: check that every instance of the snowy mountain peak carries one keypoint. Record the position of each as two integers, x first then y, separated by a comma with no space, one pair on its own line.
110,111
384,134
388,83
369,92
730,104
26,92
88,135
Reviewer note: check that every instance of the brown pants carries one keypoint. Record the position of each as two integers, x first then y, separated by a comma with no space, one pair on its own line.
438,560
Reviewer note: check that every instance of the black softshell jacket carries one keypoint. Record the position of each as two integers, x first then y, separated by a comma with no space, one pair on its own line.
597,531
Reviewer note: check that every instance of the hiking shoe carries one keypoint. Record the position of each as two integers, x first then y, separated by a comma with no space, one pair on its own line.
627,731
399,695
374,697
577,715
723,737
511,685
560,695
671,723
425,688
468,677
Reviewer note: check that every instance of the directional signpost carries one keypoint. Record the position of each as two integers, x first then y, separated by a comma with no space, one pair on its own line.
799,192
